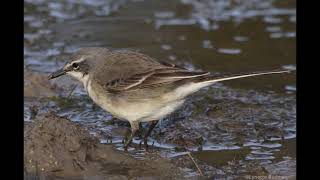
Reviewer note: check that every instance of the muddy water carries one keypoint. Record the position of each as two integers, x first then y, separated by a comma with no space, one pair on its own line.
238,128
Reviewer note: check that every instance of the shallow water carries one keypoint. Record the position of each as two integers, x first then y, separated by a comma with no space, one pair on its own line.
246,121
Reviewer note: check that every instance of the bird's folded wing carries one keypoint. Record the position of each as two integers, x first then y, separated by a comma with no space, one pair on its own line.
153,78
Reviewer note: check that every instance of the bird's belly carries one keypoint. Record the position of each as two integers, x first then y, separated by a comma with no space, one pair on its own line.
101,99
142,111
163,111
105,103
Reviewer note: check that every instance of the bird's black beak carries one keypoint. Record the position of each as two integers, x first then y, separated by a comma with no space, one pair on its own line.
56,74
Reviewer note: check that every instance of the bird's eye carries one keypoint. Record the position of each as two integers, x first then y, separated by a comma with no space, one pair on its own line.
75,66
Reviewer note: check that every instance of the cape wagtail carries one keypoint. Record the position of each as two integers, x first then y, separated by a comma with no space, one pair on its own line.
135,87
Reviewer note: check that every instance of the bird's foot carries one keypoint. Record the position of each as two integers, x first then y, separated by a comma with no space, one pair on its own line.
125,138
145,142
126,144
109,139
127,141
140,144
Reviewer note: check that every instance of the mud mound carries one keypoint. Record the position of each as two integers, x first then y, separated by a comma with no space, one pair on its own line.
37,85
58,148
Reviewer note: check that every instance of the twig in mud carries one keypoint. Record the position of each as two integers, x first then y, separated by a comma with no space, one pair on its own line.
72,89
122,162
199,170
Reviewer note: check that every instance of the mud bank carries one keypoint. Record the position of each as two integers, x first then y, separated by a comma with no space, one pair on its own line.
55,147
38,85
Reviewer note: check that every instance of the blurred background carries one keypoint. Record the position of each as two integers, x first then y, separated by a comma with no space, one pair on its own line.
251,119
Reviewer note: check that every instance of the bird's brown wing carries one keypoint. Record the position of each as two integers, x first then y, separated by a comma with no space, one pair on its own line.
152,78
121,71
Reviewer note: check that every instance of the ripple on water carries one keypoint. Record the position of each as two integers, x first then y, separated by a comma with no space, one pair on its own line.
31,37
36,24
53,52
61,16
276,35
71,49
260,152
208,12
70,9
259,157
166,47
291,88
289,67
58,44
172,57
219,148
240,38
229,51
293,19
207,44
28,18
272,20
174,22
264,144
164,14
273,28
182,38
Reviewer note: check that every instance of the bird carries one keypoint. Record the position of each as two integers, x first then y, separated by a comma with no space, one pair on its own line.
137,88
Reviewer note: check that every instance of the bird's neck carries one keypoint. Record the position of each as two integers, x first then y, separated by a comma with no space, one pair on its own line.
85,80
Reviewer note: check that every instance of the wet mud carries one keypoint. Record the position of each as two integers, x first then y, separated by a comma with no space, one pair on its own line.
55,147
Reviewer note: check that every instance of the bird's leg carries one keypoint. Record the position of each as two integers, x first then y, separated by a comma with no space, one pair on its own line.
134,129
151,127
128,132
140,131
125,137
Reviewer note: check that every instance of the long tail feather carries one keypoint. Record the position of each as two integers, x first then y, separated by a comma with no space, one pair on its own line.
215,78
207,80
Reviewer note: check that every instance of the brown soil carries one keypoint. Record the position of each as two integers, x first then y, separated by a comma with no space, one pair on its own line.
37,85
55,147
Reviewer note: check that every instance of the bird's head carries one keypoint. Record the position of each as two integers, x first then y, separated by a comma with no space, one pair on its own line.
81,63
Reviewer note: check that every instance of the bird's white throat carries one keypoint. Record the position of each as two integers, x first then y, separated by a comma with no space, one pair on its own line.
80,77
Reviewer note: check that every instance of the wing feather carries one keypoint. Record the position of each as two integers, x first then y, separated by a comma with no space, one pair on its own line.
152,78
